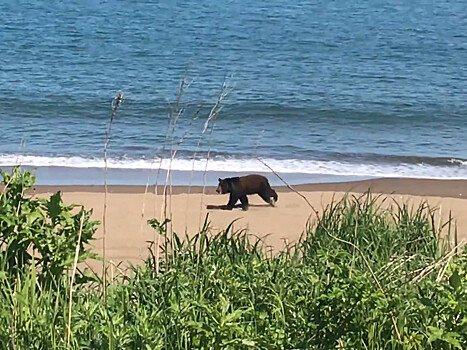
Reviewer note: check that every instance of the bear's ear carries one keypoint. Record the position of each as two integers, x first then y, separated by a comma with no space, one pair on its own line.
220,179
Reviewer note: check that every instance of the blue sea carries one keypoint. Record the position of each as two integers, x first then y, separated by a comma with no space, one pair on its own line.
319,90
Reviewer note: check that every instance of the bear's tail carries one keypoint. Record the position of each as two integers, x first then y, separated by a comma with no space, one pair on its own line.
274,195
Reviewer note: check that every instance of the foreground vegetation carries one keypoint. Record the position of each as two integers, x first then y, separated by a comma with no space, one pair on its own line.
362,277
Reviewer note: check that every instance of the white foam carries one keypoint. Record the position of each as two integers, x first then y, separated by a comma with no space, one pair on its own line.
249,165
457,161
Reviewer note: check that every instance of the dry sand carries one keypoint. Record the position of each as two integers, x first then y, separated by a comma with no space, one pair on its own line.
128,209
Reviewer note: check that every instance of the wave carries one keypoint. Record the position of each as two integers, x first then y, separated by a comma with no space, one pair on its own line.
457,161
144,108
451,169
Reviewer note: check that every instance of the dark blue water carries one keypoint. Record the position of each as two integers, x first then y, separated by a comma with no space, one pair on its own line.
367,88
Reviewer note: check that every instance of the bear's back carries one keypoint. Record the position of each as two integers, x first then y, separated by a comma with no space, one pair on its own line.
253,183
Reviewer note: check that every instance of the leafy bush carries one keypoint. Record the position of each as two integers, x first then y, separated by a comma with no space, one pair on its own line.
40,232
362,277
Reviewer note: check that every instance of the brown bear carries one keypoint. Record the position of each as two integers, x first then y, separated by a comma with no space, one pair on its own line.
240,187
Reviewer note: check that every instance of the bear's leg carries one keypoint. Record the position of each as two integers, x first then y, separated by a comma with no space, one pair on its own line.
244,201
266,196
274,195
232,201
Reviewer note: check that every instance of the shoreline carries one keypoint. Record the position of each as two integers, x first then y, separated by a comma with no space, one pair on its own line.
404,186
69,176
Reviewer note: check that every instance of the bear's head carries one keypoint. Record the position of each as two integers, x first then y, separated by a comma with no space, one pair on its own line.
224,186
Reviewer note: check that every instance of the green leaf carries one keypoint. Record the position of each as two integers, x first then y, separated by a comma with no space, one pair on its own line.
435,333
33,216
427,302
54,206
455,280
248,342
452,338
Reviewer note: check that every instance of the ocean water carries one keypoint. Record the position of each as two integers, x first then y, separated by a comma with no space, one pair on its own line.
319,90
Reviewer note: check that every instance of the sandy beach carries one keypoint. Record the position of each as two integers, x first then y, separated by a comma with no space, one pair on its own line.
129,208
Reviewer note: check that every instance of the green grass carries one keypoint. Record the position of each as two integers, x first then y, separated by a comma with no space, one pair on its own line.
362,277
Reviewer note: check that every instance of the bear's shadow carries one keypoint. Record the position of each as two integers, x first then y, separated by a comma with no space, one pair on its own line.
237,206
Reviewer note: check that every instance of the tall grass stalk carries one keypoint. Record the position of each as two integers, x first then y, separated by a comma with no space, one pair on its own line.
175,112
209,124
72,279
117,101
5,187
288,186
173,155
22,147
